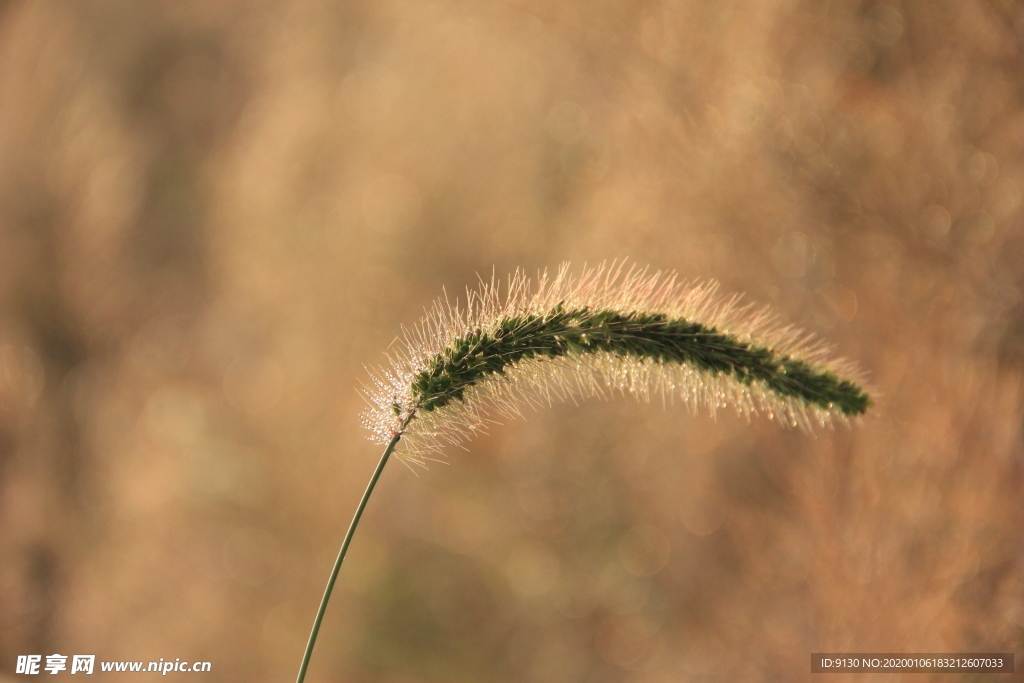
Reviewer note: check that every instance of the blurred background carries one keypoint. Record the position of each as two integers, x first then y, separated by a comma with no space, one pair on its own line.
214,214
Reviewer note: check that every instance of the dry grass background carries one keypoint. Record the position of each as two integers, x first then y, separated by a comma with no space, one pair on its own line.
213,214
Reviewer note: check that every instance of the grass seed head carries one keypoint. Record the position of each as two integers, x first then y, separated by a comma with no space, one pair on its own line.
609,330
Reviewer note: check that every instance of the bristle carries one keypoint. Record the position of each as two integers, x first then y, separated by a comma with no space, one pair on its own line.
610,329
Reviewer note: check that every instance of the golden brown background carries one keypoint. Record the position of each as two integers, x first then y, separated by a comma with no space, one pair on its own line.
213,214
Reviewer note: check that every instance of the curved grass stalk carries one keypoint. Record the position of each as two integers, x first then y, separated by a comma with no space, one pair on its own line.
608,330
341,558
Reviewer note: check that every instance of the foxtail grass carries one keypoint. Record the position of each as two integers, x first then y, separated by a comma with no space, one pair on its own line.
608,330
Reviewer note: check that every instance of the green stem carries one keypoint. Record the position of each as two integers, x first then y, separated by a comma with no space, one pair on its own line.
341,554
